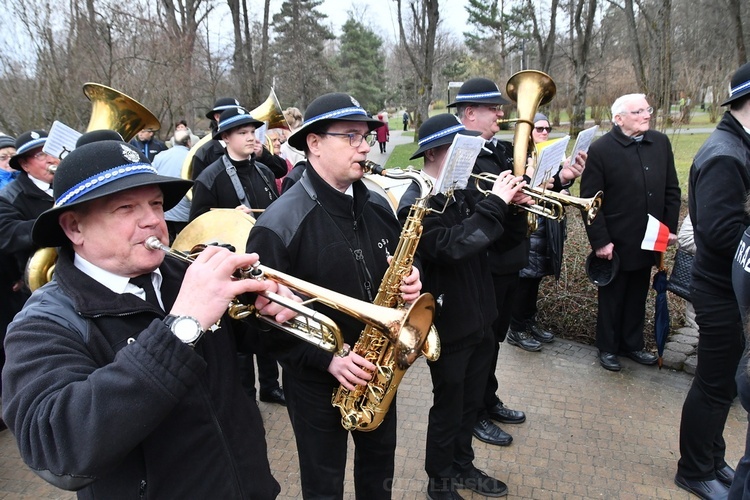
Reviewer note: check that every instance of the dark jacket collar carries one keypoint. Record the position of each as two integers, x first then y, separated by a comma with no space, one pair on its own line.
334,201
625,140
729,123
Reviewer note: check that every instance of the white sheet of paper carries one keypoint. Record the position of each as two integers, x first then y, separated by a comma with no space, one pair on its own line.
584,140
61,140
548,161
260,134
458,164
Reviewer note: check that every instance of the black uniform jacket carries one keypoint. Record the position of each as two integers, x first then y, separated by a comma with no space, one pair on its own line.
638,178
104,399
719,185
325,237
453,255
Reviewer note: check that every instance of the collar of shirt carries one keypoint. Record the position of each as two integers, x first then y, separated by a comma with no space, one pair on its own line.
44,186
350,191
116,283
747,129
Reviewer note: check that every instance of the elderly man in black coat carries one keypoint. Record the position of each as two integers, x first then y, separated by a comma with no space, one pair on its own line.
634,166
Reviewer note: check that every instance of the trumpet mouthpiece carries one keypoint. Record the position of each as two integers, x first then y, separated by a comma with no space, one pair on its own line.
153,243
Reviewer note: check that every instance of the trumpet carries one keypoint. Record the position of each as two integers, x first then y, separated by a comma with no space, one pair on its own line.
400,326
52,169
549,204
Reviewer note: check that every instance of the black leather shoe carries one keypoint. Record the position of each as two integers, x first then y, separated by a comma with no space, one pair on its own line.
725,475
523,340
275,396
609,361
503,414
541,334
486,431
642,357
477,480
442,489
2,425
708,490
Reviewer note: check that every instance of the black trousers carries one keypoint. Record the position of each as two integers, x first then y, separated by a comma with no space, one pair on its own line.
268,373
704,413
524,303
622,310
322,444
458,389
505,288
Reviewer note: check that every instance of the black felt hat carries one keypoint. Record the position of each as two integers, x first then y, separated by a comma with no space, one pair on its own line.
327,108
235,117
222,104
479,91
439,130
26,142
740,85
7,141
96,136
601,272
99,169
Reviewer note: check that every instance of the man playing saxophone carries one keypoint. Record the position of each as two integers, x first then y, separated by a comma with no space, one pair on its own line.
328,230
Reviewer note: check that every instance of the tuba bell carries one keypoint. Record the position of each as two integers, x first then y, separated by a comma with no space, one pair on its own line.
110,110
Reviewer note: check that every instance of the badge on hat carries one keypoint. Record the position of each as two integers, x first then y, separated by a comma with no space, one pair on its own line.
129,154
355,102
34,135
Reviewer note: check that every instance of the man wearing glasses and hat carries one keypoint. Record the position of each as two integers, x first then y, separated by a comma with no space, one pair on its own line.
329,230
718,189
113,386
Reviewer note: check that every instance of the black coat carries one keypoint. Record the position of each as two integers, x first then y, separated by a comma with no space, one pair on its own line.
150,148
638,178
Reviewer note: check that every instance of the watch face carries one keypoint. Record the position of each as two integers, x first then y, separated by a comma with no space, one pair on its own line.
187,329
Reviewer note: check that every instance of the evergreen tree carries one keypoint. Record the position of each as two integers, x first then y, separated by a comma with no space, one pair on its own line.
362,65
303,72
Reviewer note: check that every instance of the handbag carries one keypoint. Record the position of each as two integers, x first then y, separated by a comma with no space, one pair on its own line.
680,277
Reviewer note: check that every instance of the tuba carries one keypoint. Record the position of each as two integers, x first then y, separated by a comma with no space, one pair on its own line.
365,407
269,111
111,110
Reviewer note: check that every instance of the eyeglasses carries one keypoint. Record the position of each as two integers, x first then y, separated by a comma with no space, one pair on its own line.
543,129
355,138
639,112
5,157
40,155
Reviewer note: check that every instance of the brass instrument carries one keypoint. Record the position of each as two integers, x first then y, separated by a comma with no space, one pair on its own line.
111,110
365,407
550,204
269,111
401,326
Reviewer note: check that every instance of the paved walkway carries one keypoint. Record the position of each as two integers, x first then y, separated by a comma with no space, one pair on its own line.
590,433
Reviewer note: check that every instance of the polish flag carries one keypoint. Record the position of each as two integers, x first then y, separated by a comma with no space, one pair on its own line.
656,237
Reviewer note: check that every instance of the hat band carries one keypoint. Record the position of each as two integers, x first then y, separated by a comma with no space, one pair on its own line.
437,135
233,119
739,88
31,145
481,95
224,108
336,114
101,179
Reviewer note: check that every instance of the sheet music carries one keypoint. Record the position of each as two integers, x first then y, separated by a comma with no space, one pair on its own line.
61,140
548,161
583,141
458,164
260,134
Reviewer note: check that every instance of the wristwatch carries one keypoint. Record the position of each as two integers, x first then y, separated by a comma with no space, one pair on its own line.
185,328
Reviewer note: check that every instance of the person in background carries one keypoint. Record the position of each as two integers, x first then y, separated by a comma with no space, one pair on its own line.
719,184
7,150
453,252
149,145
328,230
634,165
120,379
383,134
291,154
182,125
277,140
213,149
405,119
545,259
169,163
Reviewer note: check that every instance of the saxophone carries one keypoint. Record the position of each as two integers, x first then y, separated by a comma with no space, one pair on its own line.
365,407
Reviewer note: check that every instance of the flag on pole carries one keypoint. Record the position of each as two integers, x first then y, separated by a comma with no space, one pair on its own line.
656,237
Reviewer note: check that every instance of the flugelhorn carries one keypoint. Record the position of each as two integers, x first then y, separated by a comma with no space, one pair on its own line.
549,204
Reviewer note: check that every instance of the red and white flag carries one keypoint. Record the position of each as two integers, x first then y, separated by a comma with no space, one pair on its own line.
656,237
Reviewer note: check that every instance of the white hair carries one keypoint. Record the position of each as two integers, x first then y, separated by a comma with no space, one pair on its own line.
618,107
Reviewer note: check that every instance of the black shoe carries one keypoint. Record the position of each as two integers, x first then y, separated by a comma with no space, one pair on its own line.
3,426
708,490
442,489
505,415
476,480
609,361
523,340
275,396
725,475
486,431
642,357
541,334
